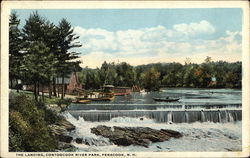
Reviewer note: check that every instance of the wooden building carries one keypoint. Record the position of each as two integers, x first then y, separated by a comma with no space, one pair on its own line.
74,84
120,91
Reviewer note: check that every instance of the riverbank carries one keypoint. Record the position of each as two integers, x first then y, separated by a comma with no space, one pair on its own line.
40,121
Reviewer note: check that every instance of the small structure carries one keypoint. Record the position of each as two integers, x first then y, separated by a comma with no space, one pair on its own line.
213,82
120,91
74,83
108,88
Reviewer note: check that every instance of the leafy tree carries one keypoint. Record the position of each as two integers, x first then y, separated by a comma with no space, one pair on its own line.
208,59
126,75
151,79
189,79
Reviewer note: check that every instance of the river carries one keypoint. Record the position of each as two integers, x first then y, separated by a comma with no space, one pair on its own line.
209,119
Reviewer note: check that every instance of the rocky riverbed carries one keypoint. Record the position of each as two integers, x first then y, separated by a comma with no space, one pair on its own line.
61,128
142,136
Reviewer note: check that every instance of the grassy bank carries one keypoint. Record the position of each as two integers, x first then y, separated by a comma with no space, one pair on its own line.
29,121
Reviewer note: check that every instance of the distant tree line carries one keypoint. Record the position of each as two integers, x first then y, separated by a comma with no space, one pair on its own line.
151,77
39,52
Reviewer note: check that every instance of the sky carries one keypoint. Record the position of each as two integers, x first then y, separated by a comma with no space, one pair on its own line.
142,36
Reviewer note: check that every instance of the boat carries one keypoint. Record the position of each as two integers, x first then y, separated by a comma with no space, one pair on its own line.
166,99
81,101
102,98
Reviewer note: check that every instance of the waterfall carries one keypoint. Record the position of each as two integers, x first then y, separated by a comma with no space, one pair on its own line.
219,116
230,116
170,117
175,116
186,117
203,118
226,117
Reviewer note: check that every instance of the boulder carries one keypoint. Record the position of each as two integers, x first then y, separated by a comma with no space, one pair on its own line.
63,145
66,124
79,140
61,133
57,130
65,138
54,107
142,136
92,141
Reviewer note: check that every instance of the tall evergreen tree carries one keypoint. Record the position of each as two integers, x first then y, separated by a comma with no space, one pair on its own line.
15,46
66,41
37,58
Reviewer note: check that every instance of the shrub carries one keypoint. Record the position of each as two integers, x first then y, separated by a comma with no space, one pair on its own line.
28,126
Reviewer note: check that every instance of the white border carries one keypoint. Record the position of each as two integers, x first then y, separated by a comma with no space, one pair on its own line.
8,5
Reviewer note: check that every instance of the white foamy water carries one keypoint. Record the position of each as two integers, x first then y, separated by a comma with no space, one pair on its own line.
197,136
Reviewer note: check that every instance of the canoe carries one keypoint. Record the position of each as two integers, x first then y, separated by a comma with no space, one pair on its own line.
166,100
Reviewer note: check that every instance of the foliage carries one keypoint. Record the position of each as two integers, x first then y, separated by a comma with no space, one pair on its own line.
28,129
41,51
154,76
151,79
15,45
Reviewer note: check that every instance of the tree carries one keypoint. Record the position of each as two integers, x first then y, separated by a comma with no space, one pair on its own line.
36,51
125,75
15,46
187,61
208,59
189,79
151,79
202,76
66,40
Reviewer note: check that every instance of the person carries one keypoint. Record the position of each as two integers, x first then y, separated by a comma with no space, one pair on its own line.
167,97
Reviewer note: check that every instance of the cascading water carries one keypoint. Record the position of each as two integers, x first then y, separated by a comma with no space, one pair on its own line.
186,117
203,118
176,116
219,116
207,136
170,117
213,122
230,116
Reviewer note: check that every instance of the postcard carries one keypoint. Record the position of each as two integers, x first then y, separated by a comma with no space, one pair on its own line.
125,79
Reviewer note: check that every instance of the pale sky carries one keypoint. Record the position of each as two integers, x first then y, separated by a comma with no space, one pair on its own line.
142,36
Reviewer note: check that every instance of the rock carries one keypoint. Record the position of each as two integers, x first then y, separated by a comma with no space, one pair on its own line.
54,108
158,147
66,124
63,107
92,141
58,130
142,136
63,145
65,138
61,133
79,140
